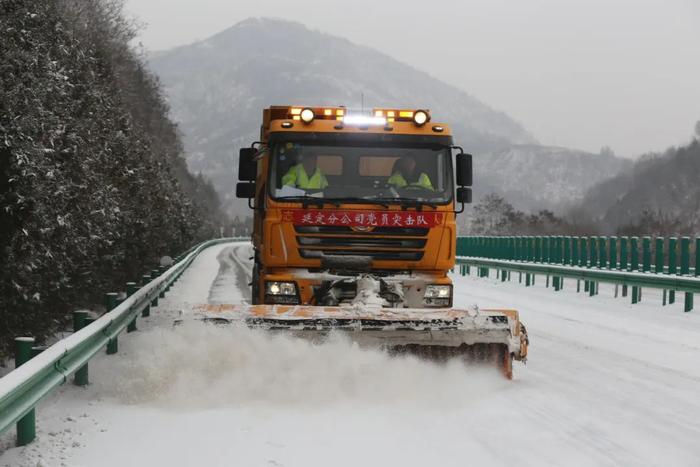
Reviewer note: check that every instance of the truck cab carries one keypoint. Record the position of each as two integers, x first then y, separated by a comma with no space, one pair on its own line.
345,202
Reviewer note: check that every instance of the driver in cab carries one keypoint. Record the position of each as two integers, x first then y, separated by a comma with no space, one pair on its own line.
305,175
406,175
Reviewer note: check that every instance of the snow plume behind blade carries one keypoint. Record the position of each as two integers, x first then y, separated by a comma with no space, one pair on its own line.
195,365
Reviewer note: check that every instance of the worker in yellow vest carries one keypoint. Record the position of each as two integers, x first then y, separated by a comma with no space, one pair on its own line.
406,175
305,175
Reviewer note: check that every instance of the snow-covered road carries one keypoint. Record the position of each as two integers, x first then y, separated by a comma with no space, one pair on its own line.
607,383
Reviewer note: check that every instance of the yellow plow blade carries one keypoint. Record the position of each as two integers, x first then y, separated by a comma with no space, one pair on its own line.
475,335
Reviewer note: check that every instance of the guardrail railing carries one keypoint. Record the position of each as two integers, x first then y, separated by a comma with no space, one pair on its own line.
627,261
38,371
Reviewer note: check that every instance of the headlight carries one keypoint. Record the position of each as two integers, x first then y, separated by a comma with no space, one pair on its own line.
280,288
438,295
421,117
438,291
307,115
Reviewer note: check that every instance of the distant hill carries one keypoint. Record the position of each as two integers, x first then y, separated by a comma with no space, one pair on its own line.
218,87
665,187
533,177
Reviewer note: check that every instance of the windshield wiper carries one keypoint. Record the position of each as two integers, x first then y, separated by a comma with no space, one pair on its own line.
354,199
413,201
306,200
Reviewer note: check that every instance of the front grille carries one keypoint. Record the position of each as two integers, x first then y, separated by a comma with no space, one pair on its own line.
380,243
382,255
368,242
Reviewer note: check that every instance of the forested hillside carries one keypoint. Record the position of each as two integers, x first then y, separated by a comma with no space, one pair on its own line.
659,195
93,184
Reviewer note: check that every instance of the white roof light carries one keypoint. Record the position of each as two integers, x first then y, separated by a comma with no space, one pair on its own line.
363,120
421,117
307,115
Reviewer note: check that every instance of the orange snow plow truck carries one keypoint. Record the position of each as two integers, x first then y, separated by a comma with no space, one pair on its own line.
354,232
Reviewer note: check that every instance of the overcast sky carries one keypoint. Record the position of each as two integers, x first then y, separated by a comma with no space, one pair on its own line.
576,73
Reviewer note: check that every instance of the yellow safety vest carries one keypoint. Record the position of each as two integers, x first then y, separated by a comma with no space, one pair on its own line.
296,176
399,181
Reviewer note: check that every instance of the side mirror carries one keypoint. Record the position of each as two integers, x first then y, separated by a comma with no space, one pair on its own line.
247,167
245,190
464,195
464,169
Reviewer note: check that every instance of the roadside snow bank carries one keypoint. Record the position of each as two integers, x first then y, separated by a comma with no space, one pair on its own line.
196,365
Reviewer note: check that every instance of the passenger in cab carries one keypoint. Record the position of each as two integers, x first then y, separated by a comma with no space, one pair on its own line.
306,174
406,175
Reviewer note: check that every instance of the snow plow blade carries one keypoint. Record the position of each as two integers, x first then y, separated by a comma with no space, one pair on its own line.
492,336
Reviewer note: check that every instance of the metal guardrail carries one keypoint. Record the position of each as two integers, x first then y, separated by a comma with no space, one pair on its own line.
614,260
34,378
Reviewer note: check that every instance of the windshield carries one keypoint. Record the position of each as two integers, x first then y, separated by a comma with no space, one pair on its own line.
361,174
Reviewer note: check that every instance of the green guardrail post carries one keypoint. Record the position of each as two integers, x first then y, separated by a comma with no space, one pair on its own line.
547,253
154,274
624,255
145,279
603,252
593,263
37,349
685,256
575,258
131,287
659,263
613,253
672,265
689,297
583,260
111,300
646,254
522,255
634,265
79,322
685,271
594,252
688,305
26,426
530,242
634,254
559,242
659,255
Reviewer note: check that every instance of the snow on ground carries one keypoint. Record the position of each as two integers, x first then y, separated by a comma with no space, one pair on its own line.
607,383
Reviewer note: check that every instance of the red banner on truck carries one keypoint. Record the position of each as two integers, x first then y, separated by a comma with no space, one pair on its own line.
363,218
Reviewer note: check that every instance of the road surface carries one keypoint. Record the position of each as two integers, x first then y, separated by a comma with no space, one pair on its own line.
607,384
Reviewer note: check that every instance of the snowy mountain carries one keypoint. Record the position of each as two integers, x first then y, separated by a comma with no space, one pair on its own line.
218,87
